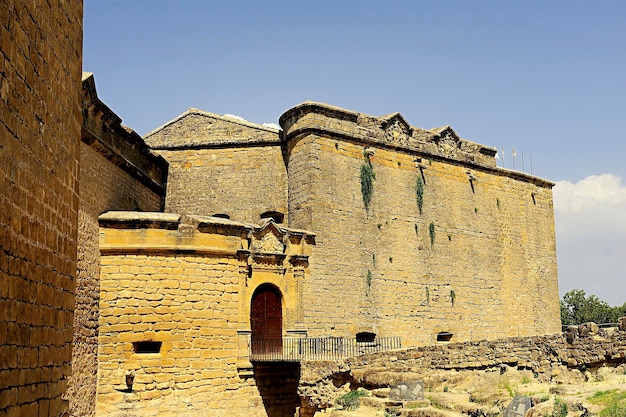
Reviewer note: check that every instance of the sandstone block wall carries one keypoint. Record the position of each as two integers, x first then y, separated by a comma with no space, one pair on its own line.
40,67
221,165
188,303
115,173
478,260
187,282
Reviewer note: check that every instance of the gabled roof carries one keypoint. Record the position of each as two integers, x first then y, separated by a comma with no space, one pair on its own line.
270,224
196,128
397,129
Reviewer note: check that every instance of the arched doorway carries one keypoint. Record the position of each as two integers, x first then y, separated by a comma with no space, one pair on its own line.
266,321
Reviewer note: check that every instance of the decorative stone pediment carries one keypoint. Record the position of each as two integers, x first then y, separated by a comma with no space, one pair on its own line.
268,239
447,141
396,128
269,243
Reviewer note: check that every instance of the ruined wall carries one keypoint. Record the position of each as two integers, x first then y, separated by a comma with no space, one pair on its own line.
487,269
115,173
584,347
221,165
40,66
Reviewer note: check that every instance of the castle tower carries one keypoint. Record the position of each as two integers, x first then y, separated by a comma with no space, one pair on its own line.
419,234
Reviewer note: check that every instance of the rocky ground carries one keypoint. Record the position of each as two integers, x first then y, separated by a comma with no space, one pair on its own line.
487,393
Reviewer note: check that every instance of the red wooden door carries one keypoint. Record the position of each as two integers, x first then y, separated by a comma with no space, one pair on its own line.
266,320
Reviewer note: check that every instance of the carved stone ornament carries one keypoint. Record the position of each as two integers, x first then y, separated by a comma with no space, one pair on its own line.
397,132
447,143
269,243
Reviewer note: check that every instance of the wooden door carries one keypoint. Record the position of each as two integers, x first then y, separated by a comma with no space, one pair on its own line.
266,320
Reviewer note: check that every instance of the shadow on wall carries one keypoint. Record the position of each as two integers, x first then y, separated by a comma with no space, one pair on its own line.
278,385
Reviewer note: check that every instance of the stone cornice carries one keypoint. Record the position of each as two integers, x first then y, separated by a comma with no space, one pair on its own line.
393,132
102,130
169,232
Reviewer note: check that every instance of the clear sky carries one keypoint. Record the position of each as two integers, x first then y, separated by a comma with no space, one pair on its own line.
546,78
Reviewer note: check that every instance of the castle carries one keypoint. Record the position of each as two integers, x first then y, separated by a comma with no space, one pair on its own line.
338,230
160,266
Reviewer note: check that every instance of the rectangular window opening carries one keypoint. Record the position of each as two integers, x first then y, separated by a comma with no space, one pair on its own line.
147,346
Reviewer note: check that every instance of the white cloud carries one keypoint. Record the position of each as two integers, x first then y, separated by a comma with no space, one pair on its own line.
234,116
590,218
272,125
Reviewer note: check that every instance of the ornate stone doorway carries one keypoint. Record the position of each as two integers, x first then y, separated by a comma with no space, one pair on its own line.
266,321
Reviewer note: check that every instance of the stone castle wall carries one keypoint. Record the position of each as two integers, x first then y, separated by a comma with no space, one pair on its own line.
40,67
221,165
187,282
477,259
487,270
114,175
189,304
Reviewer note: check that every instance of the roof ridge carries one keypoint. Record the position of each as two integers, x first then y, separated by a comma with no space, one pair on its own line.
193,110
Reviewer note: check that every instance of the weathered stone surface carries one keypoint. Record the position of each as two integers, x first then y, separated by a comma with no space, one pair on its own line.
222,165
492,233
116,172
40,67
491,255
548,358
187,282
517,407
407,391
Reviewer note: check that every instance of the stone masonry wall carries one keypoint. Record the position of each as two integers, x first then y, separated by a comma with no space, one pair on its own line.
488,269
190,304
242,182
40,73
103,187
188,282
222,165
582,347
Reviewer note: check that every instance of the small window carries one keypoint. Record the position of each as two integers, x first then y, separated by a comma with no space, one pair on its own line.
147,346
444,336
365,337
277,216
222,215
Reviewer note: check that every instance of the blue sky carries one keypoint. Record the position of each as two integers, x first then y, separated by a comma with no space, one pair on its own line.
547,78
